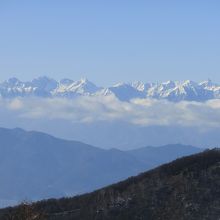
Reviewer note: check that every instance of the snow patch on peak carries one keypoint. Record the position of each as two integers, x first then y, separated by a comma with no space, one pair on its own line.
66,81
169,84
190,83
120,84
208,84
140,86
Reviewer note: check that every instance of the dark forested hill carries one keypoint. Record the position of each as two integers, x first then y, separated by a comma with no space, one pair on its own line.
186,189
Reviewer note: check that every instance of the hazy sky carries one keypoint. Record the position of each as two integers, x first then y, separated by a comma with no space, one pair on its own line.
110,40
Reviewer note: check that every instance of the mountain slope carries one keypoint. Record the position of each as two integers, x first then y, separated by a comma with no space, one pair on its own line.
186,189
43,166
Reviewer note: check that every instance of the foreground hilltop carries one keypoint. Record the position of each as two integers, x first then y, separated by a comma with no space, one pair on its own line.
188,188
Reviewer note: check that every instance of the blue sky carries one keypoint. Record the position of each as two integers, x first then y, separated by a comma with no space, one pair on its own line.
110,41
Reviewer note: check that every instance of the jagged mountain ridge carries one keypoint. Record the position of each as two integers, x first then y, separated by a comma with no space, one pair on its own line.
171,90
43,166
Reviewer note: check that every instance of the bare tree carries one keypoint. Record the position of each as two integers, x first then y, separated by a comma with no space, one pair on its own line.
25,211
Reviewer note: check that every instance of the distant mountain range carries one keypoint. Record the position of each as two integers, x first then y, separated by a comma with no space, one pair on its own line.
186,189
35,165
170,90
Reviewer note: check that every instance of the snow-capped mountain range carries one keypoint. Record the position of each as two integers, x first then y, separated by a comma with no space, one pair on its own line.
171,90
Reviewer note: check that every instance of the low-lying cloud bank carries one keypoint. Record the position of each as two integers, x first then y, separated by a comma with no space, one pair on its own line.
141,112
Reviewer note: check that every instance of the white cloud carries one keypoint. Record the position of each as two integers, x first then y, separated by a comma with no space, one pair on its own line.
142,112
15,104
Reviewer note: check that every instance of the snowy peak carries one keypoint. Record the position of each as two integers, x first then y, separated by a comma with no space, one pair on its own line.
44,82
140,86
171,90
126,92
84,86
81,87
13,81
